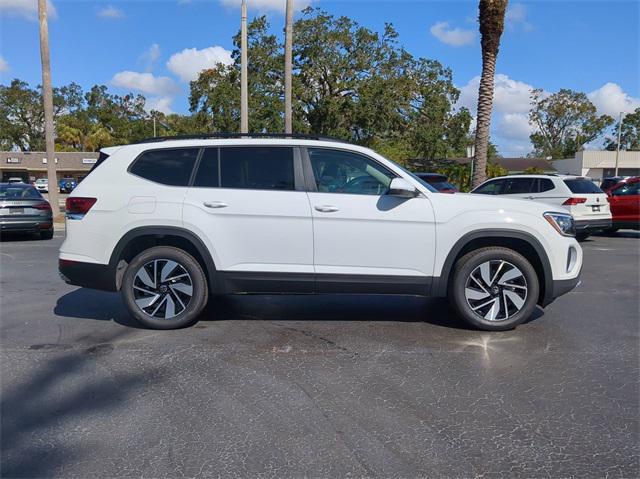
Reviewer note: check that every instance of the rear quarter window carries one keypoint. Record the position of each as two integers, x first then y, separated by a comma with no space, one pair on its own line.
582,186
171,166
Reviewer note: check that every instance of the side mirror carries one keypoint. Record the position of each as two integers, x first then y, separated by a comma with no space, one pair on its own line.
401,187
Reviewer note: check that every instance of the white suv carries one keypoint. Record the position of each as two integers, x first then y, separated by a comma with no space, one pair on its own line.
587,203
168,223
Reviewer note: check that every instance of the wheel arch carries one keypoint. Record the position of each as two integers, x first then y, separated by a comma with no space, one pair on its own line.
139,239
519,241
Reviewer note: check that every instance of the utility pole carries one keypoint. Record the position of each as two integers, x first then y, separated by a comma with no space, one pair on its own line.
244,94
47,97
618,145
288,67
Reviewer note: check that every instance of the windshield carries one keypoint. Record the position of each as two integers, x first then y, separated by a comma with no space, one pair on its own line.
41,180
17,192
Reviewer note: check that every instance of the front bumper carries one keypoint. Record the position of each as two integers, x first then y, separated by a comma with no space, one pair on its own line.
87,275
586,226
25,224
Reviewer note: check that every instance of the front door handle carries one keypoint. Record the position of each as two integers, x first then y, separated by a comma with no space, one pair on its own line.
215,204
326,208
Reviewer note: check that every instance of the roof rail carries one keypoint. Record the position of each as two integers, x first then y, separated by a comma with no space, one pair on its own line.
223,135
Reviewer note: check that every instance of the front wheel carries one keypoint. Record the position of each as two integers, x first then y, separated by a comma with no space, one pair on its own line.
164,288
494,288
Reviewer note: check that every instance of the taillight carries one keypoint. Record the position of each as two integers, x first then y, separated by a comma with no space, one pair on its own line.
76,207
44,206
574,201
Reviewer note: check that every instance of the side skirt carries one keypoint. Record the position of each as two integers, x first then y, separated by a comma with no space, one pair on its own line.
234,282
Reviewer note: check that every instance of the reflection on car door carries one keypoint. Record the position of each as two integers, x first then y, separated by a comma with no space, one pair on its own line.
364,238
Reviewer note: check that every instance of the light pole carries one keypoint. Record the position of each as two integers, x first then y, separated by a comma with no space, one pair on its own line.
47,97
288,67
618,145
244,95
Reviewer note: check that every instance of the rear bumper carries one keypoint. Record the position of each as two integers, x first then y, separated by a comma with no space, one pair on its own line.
26,224
87,275
585,226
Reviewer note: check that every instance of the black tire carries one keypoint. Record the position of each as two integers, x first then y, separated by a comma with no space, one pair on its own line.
193,305
470,263
611,231
46,234
582,236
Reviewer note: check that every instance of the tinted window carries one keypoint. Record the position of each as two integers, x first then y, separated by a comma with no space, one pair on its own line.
627,190
16,191
582,186
169,167
208,174
490,188
518,186
544,184
257,167
338,171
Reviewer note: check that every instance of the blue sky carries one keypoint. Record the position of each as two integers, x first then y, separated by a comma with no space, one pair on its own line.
155,47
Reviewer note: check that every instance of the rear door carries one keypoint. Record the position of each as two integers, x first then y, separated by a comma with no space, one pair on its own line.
519,188
250,204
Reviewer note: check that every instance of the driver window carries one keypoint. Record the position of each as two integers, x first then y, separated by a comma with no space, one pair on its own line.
337,171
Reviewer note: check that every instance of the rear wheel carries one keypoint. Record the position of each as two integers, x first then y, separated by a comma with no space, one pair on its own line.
164,288
46,234
494,288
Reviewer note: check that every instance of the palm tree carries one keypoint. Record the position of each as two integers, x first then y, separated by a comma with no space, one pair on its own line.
288,47
491,28
47,96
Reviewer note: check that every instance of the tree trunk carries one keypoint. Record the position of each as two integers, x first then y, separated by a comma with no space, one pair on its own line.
288,67
47,96
244,93
483,121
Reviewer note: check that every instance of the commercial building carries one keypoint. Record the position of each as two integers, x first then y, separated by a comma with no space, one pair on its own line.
599,164
33,165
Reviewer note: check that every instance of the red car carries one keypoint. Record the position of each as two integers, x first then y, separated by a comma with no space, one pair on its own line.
624,199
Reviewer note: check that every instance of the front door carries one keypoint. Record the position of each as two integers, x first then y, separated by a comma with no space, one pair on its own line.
365,240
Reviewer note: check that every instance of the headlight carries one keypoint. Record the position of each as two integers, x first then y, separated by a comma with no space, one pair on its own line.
562,223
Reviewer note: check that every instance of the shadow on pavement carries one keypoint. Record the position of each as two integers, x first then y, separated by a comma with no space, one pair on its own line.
67,385
98,305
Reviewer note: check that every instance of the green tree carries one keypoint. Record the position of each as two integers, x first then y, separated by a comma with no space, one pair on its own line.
629,134
564,122
533,170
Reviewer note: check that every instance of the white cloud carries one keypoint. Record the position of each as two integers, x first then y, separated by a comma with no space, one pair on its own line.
111,12
265,5
26,8
188,63
145,83
456,37
514,126
4,65
516,16
609,99
150,56
161,103
510,96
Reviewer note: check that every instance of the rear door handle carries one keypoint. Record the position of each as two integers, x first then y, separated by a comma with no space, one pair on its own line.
326,208
215,204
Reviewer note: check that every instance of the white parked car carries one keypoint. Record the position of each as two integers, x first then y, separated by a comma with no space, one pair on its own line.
15,179
586,202
170,222
42,185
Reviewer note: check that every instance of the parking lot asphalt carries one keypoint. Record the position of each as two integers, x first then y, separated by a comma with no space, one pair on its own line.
327,386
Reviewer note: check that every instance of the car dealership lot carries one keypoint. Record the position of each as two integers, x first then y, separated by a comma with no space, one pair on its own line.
318,386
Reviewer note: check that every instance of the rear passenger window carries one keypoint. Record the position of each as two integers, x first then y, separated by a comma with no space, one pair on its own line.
208,174
518,186
257,167
170,166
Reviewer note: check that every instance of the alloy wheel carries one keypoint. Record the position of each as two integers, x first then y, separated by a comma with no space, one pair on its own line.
162,289
496,290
